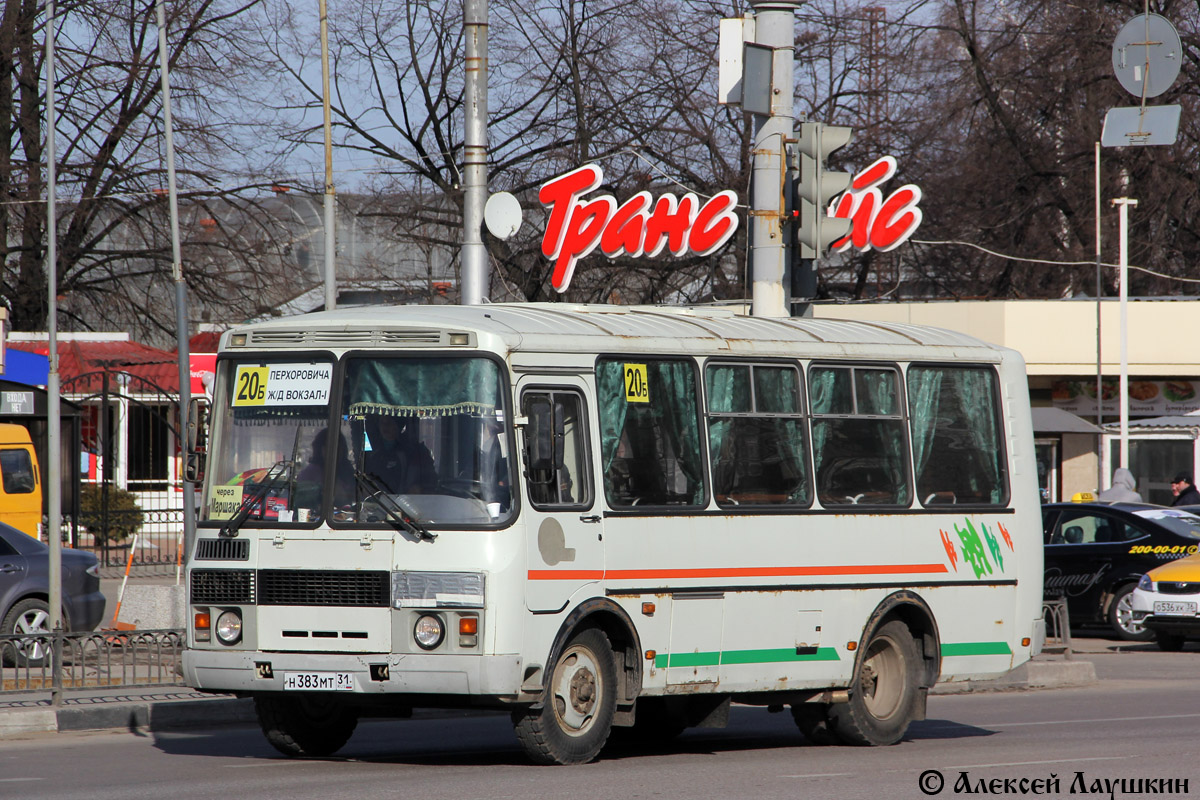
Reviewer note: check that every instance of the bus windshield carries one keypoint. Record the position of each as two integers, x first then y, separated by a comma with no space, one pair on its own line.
406,440
430,430
268,442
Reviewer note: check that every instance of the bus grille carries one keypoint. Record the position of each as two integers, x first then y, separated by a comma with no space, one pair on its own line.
296,587
222,550
222,586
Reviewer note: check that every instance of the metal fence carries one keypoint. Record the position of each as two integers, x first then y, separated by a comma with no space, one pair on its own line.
90,661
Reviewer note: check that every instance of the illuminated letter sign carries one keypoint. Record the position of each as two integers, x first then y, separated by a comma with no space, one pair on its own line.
641,226
877,224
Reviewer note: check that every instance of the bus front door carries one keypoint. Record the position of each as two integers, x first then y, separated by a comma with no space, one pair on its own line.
564,547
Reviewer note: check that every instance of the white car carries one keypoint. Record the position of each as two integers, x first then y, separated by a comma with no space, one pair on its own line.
1167,601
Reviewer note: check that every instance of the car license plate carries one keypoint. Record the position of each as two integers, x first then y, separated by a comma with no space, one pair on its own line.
318,682
1174,608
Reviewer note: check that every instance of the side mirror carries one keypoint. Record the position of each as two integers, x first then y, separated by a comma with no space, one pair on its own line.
197,441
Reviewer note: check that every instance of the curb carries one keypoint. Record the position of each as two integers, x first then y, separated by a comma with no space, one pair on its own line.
1029,676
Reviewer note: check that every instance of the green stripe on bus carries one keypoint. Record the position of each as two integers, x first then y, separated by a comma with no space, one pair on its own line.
712,659
976,649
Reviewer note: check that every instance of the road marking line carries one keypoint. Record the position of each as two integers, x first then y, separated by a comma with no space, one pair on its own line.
822,775
1084,721
19,780
1034,763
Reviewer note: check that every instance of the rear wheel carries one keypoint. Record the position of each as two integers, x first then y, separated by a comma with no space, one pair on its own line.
573,723
813,721
312,726
1120,617
1169,642
884,694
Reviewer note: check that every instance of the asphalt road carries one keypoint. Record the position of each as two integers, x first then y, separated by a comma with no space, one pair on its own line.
1139,722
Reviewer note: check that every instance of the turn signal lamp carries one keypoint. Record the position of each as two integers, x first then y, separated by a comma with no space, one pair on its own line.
202,626
851,646
468,631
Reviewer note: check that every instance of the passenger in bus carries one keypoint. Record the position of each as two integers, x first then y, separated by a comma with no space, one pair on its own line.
310,481
493,466
398,458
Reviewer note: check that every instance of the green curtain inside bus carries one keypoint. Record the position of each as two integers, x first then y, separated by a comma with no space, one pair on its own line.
422,387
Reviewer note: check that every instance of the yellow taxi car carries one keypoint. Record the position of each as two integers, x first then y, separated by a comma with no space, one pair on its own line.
1167,602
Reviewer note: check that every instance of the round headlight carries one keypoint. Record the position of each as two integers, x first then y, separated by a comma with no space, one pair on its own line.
229,627
429,631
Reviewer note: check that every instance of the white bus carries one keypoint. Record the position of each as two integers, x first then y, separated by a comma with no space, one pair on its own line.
606,518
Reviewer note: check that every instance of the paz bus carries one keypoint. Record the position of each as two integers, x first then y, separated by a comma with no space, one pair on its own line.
601,518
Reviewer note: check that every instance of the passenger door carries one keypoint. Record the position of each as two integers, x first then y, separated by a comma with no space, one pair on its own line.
564,548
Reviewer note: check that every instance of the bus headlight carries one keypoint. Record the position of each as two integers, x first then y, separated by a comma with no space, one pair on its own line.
229,627
429,631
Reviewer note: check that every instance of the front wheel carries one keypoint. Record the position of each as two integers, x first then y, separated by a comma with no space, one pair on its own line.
885,691
1120,617
312,726
576,717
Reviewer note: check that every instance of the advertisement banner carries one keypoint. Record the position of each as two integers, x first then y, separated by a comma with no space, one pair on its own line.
1146,398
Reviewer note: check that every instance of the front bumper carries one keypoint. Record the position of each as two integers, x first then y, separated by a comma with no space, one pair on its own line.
1179,625
440,674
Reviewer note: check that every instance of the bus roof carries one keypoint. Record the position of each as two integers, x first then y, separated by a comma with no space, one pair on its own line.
564,327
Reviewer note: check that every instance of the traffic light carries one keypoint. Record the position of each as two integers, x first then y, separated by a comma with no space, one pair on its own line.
816,188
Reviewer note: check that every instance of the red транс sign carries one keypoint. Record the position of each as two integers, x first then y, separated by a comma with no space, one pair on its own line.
641,226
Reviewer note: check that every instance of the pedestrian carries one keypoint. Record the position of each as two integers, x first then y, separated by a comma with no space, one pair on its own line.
1122,489
1184,490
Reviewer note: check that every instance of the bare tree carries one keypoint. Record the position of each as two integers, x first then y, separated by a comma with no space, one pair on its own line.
113,256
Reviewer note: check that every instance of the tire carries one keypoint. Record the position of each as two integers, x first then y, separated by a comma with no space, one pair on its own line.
29,616
313,726
576,716
1169,642
813,721
1120,617
885,691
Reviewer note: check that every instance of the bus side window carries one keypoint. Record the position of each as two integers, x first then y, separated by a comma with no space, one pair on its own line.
757,438
957,437
860,450
650,448
555,449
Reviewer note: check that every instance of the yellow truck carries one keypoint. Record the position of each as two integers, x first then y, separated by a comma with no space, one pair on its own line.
20,481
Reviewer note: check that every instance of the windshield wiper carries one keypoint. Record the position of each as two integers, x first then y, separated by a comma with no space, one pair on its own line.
279,471
400,515
257,496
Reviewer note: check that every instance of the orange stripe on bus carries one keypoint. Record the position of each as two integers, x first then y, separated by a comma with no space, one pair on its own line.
732,572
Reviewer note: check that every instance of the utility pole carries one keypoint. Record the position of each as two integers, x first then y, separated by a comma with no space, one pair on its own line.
475,272
53,471
330,217
181,325
1123,204
770,230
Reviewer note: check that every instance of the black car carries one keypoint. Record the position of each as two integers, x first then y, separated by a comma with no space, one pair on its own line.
1096,552
25,589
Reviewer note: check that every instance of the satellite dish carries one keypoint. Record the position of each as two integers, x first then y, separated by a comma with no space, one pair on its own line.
1147,55
502,215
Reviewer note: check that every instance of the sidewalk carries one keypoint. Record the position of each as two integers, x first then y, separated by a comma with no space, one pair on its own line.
179,707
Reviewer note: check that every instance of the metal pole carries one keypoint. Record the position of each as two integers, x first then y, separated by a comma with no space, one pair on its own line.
181,322
330,232
775,26
1123,204
1099,362
53,409
475,272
